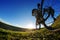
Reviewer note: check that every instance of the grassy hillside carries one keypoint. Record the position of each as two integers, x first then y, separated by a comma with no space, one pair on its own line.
10,27
56,24
42,34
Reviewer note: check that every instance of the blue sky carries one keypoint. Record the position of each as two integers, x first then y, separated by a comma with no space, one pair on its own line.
19,12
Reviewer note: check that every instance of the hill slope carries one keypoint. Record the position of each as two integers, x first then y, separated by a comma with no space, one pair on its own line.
10,27
56,24
42,34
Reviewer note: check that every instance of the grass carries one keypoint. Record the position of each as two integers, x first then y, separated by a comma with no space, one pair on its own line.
42,34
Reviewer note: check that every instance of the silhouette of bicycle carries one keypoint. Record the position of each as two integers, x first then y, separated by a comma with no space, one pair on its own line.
39,15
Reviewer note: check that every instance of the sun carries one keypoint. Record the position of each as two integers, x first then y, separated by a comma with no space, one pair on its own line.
30,26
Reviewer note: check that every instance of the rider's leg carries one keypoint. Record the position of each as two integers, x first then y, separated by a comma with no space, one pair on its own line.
36,24
39,26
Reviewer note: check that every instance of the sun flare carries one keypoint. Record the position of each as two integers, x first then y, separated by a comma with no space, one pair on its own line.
30,26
